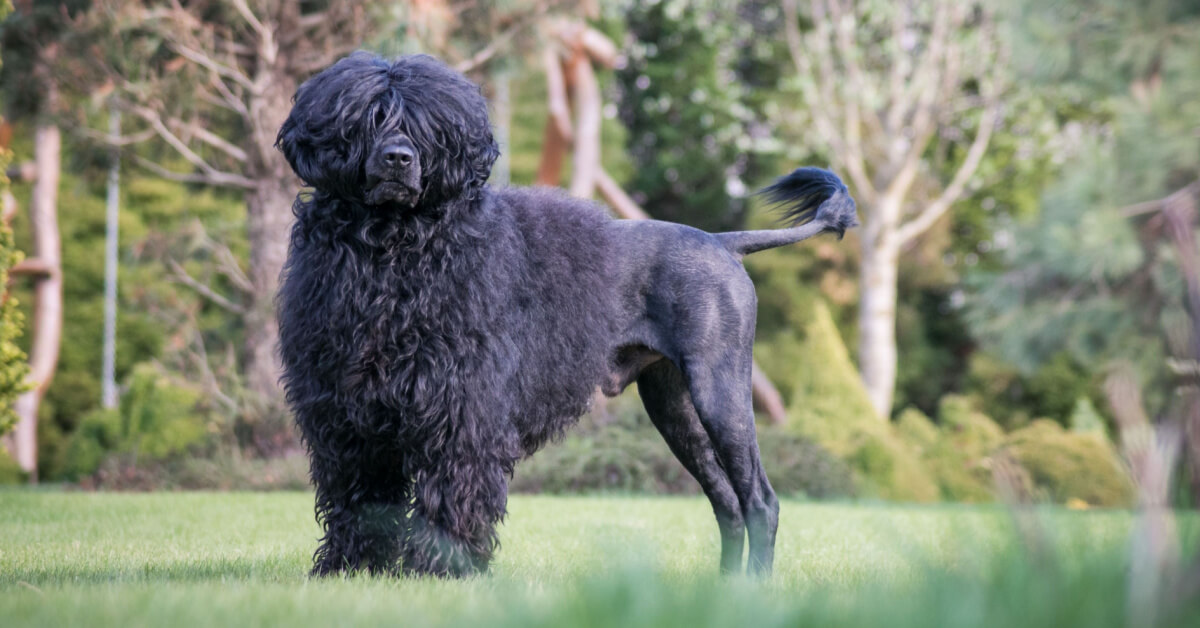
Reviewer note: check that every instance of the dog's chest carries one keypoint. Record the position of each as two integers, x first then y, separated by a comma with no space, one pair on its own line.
405,321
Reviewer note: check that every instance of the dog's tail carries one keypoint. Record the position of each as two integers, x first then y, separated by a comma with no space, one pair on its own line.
813,200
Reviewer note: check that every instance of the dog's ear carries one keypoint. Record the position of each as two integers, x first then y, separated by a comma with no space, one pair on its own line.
321,138
470,168
300,150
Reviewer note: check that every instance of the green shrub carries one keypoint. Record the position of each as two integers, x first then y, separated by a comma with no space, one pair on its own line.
831,407
797,466
999,388
13,367
159,417
1065,465
10,471
222,470
98,435
621,450
1086,419
617,449
955,453
917,430
970,431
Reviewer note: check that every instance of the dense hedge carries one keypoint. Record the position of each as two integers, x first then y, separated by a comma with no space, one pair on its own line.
830,406
620,450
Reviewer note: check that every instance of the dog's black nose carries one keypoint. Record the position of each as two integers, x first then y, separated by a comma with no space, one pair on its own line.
396,154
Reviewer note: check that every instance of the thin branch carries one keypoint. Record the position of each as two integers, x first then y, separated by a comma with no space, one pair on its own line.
119,140
518,24
207,62
556,95
200,359
225,179
1147,207
231,100
244,10
845,25
934,210
25,172
181,275
210,138
616,198
227,263
922,125
34,267
311,20
817,107
211,174
899,68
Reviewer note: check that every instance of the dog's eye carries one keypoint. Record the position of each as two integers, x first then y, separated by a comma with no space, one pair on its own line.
380,117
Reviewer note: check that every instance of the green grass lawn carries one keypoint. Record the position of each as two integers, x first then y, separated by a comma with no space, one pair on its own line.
195,559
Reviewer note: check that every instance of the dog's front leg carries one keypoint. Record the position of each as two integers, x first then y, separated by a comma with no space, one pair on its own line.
362,512
456,507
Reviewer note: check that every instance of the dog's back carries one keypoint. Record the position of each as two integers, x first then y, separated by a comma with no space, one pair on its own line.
560,313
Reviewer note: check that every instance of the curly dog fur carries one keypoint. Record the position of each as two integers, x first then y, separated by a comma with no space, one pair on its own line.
435,330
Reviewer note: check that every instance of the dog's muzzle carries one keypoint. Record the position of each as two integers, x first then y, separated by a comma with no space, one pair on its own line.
393,173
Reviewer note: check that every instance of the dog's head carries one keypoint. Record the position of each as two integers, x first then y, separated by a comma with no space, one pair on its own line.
401,134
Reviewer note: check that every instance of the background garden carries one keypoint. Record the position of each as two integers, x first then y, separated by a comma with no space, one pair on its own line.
1017,320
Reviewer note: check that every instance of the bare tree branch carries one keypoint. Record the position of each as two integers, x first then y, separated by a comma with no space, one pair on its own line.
950,194
35,267
227,262
616,197
181,275
207,62
498,42
901,67
1147,207
210,174
218,178
200,359
120,140
817,106
208,137
244,10
922,115
25,172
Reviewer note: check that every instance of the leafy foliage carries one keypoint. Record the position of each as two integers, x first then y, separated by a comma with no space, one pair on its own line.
620,450
159,417
681,107
13,367
1083,278
830,406
1065,465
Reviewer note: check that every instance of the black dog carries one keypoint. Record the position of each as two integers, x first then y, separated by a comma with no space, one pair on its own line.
435,330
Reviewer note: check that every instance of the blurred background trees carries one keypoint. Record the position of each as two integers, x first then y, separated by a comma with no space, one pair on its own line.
1026,174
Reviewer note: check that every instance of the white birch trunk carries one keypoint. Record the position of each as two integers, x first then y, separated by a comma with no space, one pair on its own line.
877,307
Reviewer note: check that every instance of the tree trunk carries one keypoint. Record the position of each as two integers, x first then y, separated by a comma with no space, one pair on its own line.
47,299
269,221
268,214
877,307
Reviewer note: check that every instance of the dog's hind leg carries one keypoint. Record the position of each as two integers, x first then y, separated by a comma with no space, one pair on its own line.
720,390
667,400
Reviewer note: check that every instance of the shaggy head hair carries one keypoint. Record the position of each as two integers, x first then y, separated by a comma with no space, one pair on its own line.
330,141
